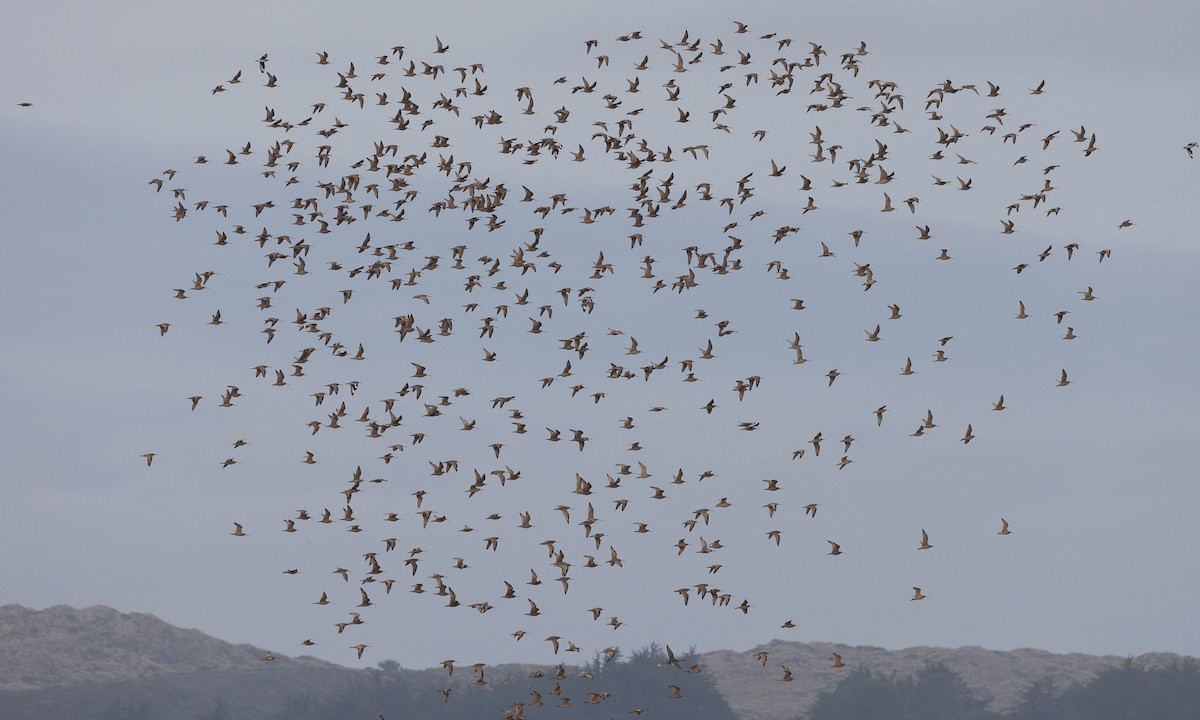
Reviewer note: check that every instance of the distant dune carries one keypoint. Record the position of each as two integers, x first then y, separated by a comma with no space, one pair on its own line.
755,693
64,662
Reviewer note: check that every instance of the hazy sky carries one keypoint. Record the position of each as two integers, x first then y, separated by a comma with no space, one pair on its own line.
1093,477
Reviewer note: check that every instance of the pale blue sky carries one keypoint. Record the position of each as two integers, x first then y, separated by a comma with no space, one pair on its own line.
1095,478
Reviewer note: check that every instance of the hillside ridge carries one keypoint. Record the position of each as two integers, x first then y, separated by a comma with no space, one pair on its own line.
60,658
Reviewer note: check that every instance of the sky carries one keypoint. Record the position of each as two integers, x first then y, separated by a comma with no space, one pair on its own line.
1094,478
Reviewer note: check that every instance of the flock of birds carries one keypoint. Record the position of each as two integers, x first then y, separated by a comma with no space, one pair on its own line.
338,185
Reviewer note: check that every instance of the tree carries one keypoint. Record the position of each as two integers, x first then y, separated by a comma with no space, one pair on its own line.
219,711
937,693
1039,701
1132,691
122,710
388,666
864,694
941,694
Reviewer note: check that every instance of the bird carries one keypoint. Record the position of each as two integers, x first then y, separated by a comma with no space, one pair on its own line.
344,196
149,458
917,595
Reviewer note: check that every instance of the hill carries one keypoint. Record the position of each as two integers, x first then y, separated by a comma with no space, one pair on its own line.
64,662
756,693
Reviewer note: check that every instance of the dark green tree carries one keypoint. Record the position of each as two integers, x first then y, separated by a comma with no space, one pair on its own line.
389,666
1132,692
864,694
595,690
936,693
123,710
939,693
1040,701
219,711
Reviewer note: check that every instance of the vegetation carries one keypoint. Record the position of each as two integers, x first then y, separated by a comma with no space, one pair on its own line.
1130,692
98,664
1126,693
936,693
598,689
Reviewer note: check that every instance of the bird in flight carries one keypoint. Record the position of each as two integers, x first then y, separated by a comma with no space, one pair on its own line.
505,217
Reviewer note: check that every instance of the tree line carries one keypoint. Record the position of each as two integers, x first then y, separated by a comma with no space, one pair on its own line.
598,690
640,684
1128,692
